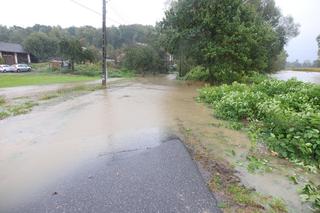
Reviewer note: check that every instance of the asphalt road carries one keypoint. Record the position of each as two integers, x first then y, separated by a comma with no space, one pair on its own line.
159,179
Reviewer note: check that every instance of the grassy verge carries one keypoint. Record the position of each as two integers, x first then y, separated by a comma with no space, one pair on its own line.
307,69
17,107
232,196
89,70
25,79
8,110
285,116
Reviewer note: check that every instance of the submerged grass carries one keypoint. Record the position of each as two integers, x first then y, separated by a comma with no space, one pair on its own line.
2,100
16,109
232,196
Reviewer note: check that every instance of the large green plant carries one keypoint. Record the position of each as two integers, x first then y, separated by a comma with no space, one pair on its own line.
288,113
229,37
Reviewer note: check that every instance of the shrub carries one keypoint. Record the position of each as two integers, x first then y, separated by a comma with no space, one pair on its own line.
2,61
197,73
288,113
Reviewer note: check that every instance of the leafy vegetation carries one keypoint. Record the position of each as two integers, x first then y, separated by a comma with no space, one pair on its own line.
2,100
142,59
18,109
229,38
81,45
198,73
311,193
285,114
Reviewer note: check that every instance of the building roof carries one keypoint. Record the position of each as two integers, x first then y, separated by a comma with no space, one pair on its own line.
11,47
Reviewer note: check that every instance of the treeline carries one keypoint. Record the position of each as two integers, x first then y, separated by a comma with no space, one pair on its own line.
228,38
82,44
306,63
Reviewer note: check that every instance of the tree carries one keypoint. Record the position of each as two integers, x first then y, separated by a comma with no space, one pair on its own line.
41,45
141,58
318,41
229,37
71,49
280,62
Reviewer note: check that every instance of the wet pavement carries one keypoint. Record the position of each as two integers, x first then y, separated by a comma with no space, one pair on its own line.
162,179
108,151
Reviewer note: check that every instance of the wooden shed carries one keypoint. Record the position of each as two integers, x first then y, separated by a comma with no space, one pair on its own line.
14,53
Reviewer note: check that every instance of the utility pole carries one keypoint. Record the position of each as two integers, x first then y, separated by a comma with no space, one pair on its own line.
104,44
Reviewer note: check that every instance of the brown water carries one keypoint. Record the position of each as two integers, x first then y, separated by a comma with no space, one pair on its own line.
311,77
58,138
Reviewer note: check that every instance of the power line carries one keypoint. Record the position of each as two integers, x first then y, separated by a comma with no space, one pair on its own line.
118,14
93,11
86,7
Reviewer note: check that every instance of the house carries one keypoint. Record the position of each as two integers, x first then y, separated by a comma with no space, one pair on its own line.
13,53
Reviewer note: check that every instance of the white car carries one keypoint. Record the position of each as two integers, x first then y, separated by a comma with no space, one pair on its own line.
6,68
21,68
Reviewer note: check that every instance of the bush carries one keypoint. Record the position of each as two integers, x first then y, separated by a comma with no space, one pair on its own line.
2,61
288,113
197,73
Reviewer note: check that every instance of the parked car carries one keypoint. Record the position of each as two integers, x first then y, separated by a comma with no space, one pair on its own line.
21,68
6,68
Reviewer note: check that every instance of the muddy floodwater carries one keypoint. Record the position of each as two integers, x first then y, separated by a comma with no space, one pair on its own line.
62,136
311,77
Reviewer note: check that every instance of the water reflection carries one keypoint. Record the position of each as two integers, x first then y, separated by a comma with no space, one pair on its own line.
311,77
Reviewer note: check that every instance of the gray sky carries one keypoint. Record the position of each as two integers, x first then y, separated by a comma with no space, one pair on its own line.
67,13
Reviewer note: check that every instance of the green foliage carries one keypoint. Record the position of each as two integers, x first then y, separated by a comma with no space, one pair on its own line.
18,109
41,45
71,49
258,165
42,41
286,114
228,37
142,59
311,193
197,73
2,100
2,61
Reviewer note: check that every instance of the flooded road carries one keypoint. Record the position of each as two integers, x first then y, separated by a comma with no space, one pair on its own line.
310,77
45,152
66,153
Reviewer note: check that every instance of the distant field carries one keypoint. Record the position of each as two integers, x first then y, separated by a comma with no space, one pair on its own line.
306,69
24,79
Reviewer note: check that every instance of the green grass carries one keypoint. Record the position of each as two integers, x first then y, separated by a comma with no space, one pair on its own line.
307,69
18,109
2,100
24,79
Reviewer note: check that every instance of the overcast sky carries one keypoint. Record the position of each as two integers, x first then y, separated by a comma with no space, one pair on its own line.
68,13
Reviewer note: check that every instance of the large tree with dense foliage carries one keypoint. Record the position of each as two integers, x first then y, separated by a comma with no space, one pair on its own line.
41,45
318,41
71,49
142,59
229,37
